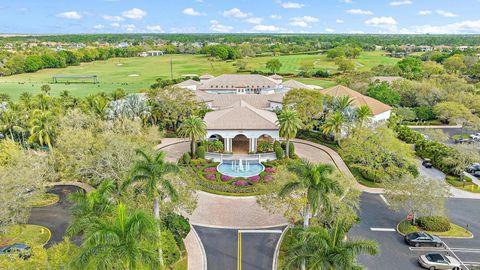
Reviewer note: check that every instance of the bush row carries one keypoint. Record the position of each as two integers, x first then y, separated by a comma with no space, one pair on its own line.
434,223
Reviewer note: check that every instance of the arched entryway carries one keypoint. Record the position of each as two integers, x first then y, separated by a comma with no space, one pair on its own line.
264,143
215,143
240,144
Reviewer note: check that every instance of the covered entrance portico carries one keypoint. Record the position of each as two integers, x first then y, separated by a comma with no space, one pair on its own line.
242,142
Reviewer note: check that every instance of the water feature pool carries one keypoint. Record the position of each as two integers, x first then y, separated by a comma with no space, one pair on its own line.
240,168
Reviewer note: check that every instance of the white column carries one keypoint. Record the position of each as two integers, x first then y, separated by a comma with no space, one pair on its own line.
250,144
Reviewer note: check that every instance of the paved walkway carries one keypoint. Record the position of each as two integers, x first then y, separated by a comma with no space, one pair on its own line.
81,185
433,127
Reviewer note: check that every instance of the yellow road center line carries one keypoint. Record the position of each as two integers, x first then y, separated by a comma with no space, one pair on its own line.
239,252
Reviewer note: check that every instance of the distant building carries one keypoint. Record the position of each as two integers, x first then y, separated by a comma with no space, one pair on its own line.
150,53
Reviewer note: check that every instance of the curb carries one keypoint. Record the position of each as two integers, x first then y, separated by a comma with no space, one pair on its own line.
202,248
277,248
239,228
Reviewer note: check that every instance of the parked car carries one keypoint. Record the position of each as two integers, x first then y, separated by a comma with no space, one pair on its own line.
418,239
476,173
473,168
436,261
464,140
475,136
427,163
22,250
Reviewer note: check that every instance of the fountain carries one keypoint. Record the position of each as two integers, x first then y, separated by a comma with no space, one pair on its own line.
240,168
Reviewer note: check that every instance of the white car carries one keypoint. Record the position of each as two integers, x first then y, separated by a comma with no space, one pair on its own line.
475,136
436,261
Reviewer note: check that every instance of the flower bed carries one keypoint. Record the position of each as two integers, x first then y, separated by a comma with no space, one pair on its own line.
211,179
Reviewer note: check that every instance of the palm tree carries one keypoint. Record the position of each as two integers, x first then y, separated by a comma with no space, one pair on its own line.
340,104
10,122
124,241
150,173
289,123
194,128
42,128
333,124
363,113
315,181
88,207
323,248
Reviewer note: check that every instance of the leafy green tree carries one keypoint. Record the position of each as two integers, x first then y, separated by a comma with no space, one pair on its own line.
33,63
46,89
431,68
455,63
307,103
453,112
289,123
411,68
322,248
384,93
274,65
195,129
315,183
344,65
124,241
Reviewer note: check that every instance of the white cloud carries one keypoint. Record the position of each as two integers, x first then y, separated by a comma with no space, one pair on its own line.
236,13
424,12
445,13
304,21
155,28
465,27
115,25
346,1
329,30
113,18
134,13
339,21
291,5
381,22
71,15
98,26
275,17
401,3
266,28
215,26
199,1
359,12
192,12
129,27
254,20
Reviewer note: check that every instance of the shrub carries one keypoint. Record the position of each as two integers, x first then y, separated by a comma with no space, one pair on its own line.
254,179
186,158
240,183
264,146
277,144
198,161
269,170
210,169
215,146
171,253
178,225
267,178
201,152
279,152
226,178
434,223
291,150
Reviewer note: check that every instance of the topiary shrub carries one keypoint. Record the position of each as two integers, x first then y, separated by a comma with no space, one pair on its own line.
186,158
277,144
200,152
171,253
291,150
434,223
279,152
178,225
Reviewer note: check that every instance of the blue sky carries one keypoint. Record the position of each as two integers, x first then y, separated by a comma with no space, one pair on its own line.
240,16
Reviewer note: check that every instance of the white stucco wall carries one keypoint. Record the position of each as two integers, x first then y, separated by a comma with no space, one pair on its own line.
248,133
381,117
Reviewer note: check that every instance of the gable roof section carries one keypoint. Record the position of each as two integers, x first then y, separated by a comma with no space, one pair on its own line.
241,116
221,101
375,106
189,82
238,80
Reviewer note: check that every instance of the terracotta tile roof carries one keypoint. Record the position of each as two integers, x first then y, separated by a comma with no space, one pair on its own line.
220,101
375,106
241,116
389,79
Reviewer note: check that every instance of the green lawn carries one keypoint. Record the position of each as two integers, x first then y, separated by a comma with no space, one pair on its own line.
132,74
30,234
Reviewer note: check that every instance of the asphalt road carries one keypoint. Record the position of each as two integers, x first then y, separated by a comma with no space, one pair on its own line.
55,217
221,247
377,221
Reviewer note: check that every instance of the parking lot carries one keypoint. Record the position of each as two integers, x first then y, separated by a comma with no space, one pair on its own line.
379,223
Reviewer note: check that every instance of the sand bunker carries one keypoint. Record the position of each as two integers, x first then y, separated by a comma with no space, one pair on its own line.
133,75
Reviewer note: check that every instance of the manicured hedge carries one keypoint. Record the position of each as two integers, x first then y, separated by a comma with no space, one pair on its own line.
434,223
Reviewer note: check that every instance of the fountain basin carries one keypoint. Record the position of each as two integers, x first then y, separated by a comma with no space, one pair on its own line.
232,168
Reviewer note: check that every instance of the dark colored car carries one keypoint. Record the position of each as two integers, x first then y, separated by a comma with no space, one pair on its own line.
473,168
427,163
463,140
418,239
476,173
22,250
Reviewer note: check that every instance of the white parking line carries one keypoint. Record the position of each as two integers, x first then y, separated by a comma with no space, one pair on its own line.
455,255
260,231
385,200
383,230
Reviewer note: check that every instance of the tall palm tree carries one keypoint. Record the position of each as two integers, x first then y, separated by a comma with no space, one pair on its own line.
289,123
125,241
150,173
322,248
333,124
363,113
194,128
315,180
340,104
42,128
88,207
10,122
